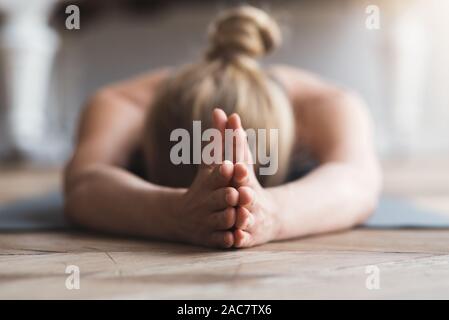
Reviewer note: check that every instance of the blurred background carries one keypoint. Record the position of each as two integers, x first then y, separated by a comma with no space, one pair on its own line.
401,68
47,71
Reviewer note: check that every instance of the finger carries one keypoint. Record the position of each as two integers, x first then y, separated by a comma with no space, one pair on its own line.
221,239
242,239
241,175
246,196
244,219
223,220
240,146
242,151
220,176
236,143
219,120
234,122
222,198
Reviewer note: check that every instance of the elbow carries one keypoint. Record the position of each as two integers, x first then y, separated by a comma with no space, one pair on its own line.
358,191
368,204
77,196
71,208
366,194
356,194
75,200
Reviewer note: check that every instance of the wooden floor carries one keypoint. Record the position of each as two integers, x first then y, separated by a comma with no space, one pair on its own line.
411,263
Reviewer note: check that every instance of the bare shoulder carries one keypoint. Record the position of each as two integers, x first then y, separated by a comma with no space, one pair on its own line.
328,118
299,84
140,89
316,99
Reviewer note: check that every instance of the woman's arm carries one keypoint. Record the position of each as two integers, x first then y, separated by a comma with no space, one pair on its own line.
110,199
99,193
335,126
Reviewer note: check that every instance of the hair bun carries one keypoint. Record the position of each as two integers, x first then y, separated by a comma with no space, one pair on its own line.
243,30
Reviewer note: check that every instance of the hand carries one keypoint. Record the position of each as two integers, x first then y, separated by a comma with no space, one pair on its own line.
257,218
205,212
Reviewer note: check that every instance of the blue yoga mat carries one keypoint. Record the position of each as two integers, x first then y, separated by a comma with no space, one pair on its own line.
45,213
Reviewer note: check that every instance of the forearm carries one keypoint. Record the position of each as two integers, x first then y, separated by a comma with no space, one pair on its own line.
110,199
333,197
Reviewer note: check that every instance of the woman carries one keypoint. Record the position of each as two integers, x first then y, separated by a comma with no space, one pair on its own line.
328,178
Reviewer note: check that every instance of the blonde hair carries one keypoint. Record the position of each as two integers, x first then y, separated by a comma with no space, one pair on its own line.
228,77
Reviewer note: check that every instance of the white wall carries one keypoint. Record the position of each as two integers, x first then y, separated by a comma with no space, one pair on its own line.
329,38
